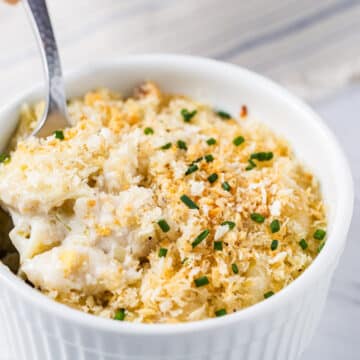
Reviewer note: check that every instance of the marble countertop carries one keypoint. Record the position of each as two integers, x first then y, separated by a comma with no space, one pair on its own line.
338,334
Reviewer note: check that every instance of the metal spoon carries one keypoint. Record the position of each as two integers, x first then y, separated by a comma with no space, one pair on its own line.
55,115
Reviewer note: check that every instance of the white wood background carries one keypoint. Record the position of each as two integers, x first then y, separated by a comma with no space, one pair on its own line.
312,47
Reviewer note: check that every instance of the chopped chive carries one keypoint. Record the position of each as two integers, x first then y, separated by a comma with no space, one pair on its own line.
188,115
319,234
201,281
163,252
223,114
192,168
166,146
120,315
321,246
262,156
238,140
181,145
198,159
59,134
183,261
268,294
211,141
226,186
202,236
235,268
4,158
218,245
275,226
220,312
164,226
303,244
231,224
209,158
257,218
148,131
212,178
188,202
251,165
274,244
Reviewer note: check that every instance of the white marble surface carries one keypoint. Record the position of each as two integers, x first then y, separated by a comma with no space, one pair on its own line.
337,337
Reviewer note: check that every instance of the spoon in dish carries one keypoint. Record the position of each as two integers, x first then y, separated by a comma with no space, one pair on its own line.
55,114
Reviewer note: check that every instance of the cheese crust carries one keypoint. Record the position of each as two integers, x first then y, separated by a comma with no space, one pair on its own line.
86,208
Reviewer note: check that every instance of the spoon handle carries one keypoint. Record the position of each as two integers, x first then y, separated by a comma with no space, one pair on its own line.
55,116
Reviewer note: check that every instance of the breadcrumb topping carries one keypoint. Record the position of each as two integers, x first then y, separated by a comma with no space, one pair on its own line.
157,208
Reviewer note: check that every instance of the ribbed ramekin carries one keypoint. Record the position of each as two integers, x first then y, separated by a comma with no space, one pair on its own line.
279,328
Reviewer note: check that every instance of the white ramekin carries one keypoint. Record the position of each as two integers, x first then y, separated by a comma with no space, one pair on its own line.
279,328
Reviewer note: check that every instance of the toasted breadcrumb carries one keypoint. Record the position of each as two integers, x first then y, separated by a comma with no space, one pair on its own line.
86,208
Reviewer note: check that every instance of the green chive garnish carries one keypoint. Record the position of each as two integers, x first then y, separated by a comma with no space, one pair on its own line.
268,294
198,159
164,226
220,312
59,134
274,244
202,236
181,145
212,178
231,224
192,168
4,158
120,315
166,146
209,158
211,141
251,165
226,186
262,156
188,115
163,252
275,226
218,245
188,202
321,246
257,218
235,268
238,140
319,234
303,244
201,281
223,114
148,131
